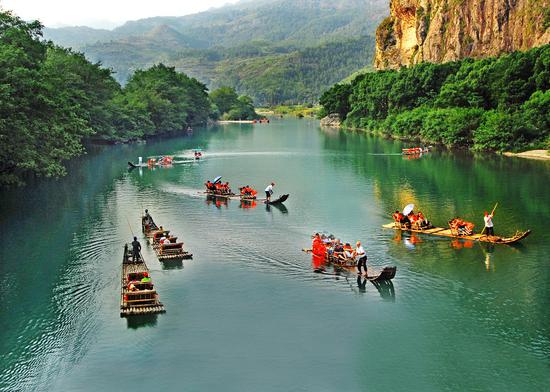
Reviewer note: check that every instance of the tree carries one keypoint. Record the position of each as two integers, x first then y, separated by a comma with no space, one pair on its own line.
224,98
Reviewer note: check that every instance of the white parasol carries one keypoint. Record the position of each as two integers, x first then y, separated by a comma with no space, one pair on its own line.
408,208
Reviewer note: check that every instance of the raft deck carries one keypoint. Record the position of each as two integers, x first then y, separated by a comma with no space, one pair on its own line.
141,301
447,232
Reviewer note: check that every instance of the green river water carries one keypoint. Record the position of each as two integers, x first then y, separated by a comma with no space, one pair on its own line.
249,313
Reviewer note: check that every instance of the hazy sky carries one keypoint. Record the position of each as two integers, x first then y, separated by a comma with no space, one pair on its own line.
103,13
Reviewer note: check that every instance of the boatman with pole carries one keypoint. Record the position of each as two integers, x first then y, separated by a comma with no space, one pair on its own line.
269,192
489,229
488,219
360,257
136,248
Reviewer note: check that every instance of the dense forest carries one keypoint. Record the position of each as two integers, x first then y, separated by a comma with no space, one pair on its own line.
53,99
497,104
275,51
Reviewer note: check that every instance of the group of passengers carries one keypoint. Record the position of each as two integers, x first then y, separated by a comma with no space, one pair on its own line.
247,191
145,278
461,227
412,220
334,248
218,187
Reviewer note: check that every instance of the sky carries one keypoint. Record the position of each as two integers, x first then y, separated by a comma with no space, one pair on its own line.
103,13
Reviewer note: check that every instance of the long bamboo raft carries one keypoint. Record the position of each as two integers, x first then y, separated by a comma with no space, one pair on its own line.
165,252
447,232
144,300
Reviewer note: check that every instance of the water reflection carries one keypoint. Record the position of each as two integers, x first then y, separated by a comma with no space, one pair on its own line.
172,264
140,321
385,289
248,204
218,202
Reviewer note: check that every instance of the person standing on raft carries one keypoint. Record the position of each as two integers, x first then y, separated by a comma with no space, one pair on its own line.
269,192
489,229
361,257
136,248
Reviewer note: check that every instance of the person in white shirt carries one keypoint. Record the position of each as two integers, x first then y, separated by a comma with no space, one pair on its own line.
488,218
360,257
269,192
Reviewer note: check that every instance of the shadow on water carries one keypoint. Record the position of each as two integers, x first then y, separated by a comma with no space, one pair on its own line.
139,321
281,207
385,289
172,265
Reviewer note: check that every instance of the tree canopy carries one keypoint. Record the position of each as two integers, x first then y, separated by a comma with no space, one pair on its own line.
53,99
500,103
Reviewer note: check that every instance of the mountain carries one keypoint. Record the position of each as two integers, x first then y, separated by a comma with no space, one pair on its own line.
446,30
253,46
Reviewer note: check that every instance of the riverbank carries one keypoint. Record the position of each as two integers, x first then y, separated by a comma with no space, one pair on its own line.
532,154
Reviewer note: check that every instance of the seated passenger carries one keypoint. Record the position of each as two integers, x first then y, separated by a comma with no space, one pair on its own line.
424,223
146,278
348,251
396,216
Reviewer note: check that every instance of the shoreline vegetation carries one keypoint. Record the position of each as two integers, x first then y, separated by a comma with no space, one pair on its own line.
493,104
304,110
53,101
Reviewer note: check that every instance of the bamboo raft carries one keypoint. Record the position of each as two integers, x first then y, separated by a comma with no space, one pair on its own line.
387,273
232,196
165,252
447,232
144,300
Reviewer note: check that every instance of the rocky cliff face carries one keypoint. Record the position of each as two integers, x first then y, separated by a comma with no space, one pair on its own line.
446,30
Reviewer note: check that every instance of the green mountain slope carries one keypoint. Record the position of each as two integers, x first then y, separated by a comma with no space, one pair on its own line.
269,50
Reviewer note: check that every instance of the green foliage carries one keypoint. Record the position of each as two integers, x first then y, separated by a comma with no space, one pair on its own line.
490,104
224,98
231,106
336,100
52,99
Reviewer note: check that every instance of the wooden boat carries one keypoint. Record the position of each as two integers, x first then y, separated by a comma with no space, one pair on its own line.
387,273
281,199
143,299
443,232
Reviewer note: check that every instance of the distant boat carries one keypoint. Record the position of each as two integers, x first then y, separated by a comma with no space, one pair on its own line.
415,150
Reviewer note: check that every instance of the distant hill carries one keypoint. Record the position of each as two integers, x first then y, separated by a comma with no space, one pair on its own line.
254,46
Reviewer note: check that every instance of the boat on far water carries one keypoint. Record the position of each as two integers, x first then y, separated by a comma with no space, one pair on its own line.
415,150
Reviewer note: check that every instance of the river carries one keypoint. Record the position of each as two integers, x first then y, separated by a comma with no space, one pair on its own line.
249,312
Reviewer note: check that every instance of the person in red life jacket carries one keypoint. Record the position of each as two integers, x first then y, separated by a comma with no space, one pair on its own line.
488,219
318,246
396,217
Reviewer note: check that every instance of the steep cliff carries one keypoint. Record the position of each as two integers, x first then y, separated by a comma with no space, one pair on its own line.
446,30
